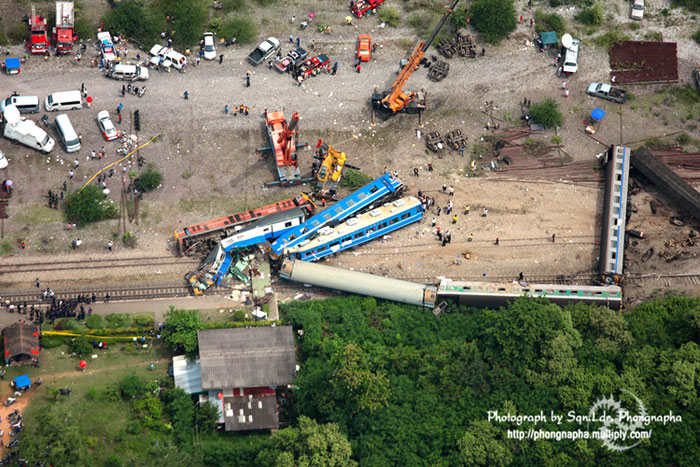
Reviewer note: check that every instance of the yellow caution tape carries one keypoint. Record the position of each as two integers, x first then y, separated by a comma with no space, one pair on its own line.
117,162
72,334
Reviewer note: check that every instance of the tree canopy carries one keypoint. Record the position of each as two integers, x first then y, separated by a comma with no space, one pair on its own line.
432,381
180,331
88,206
494,19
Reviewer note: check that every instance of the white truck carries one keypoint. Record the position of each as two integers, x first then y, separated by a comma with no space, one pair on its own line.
21,130
104,42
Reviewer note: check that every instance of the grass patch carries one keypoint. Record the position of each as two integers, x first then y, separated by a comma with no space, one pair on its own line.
549,22
390,16
654,36
37,215
610,39
6,247
242,28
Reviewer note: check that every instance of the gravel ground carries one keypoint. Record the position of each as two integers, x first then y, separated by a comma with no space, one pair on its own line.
211,168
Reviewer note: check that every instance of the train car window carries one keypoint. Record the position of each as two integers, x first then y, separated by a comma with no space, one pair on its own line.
619,166
382,225
405,216
393,221
315,223
374,189
501,289
322,248
616,210
292,237
538,290
358,235
613,255
618,177
614,232
617,188
361,196
612,266
350,203
288,224
564,292
327,216
616,199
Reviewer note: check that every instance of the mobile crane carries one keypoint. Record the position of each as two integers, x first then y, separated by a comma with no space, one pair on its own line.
283,146
396,100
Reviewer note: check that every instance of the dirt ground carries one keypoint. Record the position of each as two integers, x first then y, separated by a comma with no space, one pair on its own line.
211,168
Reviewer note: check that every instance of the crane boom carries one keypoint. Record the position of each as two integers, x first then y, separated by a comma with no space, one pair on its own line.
397,100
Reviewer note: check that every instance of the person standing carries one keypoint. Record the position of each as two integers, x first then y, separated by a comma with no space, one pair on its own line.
226,109
221,59
37,282
335,68
298,42
247,80
187,95
110,245
554,237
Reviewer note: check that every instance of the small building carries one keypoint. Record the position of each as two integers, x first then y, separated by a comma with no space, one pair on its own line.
244,372
21,343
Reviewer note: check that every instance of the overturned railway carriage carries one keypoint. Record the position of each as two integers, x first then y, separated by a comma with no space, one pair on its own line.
486,294
205,236
356,202
612,245
261,231
359,283
359,229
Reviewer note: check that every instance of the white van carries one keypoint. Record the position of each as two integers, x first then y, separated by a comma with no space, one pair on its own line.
571,58
67,100
25,104
67,134
127,72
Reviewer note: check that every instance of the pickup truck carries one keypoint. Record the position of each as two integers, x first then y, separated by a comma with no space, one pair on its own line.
293,58
605,91
266,48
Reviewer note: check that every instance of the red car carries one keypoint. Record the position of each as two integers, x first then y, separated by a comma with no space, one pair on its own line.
364,47
312,66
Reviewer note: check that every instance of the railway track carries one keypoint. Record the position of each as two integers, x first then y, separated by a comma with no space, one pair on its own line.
43,267
115,294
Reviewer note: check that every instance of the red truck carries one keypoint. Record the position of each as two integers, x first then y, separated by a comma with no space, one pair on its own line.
38,42
63,34
361,7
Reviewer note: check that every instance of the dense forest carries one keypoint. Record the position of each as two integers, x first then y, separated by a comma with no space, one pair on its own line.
408,388
383,384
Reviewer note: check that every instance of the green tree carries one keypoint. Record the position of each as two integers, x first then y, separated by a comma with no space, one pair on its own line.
88,206
354,179
482,444
241,28
494,19
180,331
205,416
149,179
365,390
591,16
181,412
390,16
307,445
136,20
132,386
547,113
187,20
55,438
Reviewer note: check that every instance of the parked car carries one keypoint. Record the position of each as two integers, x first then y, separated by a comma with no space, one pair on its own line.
106,125
127,72
637,11
364,47
168,57
209,48
293,58
3,160
266,48
605,91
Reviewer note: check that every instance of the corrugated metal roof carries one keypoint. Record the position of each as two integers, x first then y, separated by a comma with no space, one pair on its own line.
252,412
247,357
187,374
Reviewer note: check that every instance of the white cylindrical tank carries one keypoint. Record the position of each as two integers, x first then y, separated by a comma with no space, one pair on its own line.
359,283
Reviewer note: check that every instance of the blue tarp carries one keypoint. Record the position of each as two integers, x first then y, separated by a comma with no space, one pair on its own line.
598,114
22,382
12,63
